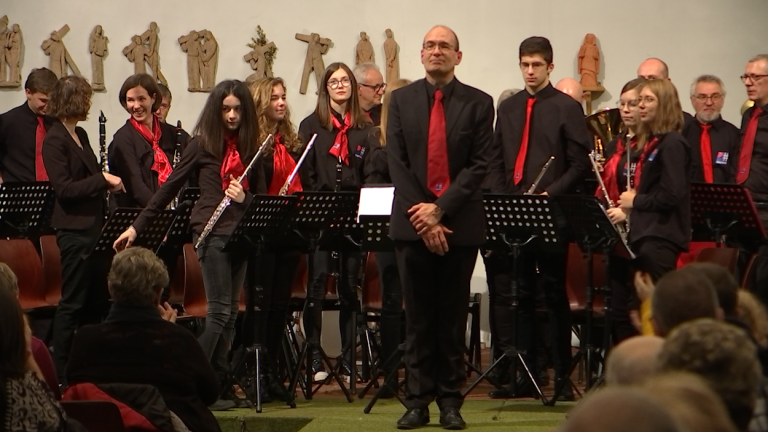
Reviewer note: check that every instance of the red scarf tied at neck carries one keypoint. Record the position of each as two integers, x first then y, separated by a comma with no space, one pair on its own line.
283,167
232,165
161,165
340,148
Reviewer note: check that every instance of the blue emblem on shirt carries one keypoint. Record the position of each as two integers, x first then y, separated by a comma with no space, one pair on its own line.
722,158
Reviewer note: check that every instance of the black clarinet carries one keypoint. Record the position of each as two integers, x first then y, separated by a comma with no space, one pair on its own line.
176,158
103,159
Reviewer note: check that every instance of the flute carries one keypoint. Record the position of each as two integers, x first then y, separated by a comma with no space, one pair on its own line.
284,189
540,176
226,201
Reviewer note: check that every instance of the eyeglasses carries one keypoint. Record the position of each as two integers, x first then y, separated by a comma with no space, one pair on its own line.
165,105
716,97
377,88
629,104
534,65
752,77
647,99
442,46
344,82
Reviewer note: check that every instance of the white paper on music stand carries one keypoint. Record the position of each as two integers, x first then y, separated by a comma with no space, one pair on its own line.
375,201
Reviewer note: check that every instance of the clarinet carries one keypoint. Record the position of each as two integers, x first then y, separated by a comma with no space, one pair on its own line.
620,228
536,182
176,158
284,189
226,201
104,160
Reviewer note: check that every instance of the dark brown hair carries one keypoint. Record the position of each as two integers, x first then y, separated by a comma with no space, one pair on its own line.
210,125
165,92
70,98
323,108
145,81
13,344
537,45
40,80
680,296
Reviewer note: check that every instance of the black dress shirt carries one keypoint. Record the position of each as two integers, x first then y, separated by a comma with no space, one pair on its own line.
725,142
18,131
757,182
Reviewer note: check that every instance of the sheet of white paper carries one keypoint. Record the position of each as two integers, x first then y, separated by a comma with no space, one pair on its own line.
375,201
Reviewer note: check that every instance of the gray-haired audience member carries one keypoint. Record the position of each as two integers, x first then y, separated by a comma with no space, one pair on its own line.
633,360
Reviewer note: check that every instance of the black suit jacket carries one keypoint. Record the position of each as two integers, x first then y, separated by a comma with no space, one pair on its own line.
662,206
76,178
469,131
18,129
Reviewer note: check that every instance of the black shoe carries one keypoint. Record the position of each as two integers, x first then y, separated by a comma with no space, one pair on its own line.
523,389
276,389
544,378
318,370
566,394
450,419
500,374
414,418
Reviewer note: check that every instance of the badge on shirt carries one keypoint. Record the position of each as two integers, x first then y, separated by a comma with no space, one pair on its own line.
722,158
360,151
653,155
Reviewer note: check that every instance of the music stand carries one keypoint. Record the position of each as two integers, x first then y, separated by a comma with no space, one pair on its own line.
514,221
122,218
315,213
592,231
720,209
25,208
265,218
179,232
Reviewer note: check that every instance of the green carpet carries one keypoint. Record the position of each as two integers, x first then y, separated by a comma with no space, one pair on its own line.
337,415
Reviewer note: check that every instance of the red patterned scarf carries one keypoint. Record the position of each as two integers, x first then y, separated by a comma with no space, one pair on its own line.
283,167
232,165
161,165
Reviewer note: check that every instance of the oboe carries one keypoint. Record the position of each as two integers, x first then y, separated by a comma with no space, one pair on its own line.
629,175
103,159
620,228
176,158
284,189
226,201
540,176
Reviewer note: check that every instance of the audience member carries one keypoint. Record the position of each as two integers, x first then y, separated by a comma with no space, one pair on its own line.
681,296
633,360
752,313
136,346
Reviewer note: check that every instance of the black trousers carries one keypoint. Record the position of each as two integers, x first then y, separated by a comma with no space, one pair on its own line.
391,308
436,295
655,256
758,280
623,299
84,295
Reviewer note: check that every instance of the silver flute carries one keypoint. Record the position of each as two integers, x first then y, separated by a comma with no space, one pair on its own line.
620,227
226,201
540,176
284,189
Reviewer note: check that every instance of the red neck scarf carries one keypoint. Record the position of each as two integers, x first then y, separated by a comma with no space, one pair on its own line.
340,148
283,167
609,172
232,165
161,165
649,149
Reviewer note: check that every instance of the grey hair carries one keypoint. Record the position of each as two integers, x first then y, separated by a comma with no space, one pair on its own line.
136,277
361,72
707,79
758,58
506,94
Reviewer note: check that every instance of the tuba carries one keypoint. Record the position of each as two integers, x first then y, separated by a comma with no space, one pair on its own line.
605,124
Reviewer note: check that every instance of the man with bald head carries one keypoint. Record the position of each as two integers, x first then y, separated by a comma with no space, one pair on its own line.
572,88
652,69
439,133
633,360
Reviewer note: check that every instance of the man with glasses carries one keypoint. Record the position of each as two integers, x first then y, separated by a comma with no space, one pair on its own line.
752,165
370,89
714,142
531,127
439,131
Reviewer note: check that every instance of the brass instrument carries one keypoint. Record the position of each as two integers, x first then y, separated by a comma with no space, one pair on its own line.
747,105
226,201
103,157
284,189
176,158
605,125
536,182
622,229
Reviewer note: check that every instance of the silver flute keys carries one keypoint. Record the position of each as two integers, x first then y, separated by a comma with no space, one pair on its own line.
284,189
620,228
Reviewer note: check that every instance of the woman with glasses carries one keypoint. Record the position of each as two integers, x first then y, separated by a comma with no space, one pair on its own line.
336,162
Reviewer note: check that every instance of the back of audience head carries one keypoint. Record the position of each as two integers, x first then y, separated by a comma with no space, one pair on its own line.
681,296
724,356
137,278
633,361
724,283
13,339
619,409
690,401
753,313
8,280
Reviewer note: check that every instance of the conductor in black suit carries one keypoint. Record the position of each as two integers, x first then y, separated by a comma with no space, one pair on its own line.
439,132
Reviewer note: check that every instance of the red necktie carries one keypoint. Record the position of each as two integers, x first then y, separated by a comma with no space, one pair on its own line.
520,162
40,173
438,176
706,153
745,157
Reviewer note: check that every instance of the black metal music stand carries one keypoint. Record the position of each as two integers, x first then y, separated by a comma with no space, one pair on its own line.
375,231
514,221
316,213
25,209
122,218
718,210
266,217
592,231
179,233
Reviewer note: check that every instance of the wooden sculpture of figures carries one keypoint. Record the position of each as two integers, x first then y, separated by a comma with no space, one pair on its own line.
61,61
97,45
261,57
209,59
393,62
589,61
364,52
4,33
136,53
190,44
316,47
10,51
153,51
